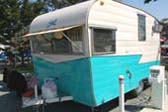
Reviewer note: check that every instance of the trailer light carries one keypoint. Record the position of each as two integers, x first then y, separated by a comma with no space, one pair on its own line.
101,3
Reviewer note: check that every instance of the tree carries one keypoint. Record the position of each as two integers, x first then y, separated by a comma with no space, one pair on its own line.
57,4
30,10
16,14
10,15
147,1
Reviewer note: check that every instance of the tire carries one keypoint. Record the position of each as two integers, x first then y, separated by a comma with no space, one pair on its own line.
140,88
136,92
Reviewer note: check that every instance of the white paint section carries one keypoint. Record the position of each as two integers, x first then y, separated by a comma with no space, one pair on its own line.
90,41
68,16
125,19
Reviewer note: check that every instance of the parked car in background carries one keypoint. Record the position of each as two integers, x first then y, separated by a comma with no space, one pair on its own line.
3,55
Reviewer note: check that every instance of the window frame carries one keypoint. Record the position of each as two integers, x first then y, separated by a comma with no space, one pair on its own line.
139,38
92,40
82,39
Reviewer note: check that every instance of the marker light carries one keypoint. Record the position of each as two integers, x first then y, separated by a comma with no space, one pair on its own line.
101,3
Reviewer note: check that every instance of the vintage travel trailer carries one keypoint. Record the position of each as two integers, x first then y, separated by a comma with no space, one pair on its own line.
88,45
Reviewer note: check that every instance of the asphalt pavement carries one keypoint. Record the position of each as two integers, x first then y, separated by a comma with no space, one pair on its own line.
9,102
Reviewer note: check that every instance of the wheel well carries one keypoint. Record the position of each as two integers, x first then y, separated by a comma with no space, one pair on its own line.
146,82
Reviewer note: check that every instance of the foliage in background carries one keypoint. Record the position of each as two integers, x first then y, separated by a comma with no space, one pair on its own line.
57,4
28,11
27,69
148,1
16,14
10,16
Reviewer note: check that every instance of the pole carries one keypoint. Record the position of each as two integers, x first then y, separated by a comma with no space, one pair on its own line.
165,91
36,94
121,97
35,91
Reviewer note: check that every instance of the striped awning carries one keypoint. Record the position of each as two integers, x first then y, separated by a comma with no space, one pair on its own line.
50,31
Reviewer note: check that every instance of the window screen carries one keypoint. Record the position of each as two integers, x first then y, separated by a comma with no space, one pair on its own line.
104,40
141,27
50,44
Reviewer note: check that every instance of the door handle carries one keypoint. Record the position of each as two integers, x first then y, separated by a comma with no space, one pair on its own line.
129,74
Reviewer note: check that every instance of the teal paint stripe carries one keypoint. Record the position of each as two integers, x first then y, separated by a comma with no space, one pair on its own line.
92,86
106,70
74,77
92,81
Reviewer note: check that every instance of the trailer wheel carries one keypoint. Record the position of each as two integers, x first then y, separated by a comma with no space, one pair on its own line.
140,88
137,90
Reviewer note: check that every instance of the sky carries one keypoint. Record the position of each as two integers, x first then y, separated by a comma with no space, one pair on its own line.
159,9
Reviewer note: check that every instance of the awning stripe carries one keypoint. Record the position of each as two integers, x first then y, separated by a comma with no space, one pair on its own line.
50,31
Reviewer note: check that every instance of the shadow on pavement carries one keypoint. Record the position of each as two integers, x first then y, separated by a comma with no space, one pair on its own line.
71,106
133,108
9,102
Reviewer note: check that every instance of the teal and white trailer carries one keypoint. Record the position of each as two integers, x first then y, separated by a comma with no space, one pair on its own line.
88,45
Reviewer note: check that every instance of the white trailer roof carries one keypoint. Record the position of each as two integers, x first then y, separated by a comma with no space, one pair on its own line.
68,16
71,16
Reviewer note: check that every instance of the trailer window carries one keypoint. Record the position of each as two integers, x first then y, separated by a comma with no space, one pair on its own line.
141,27
104,41
70,43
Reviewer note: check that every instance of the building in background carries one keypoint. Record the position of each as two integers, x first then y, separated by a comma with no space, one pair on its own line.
164,40
165,28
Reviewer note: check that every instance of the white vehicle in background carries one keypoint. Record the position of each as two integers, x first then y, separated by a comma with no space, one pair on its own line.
3,56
